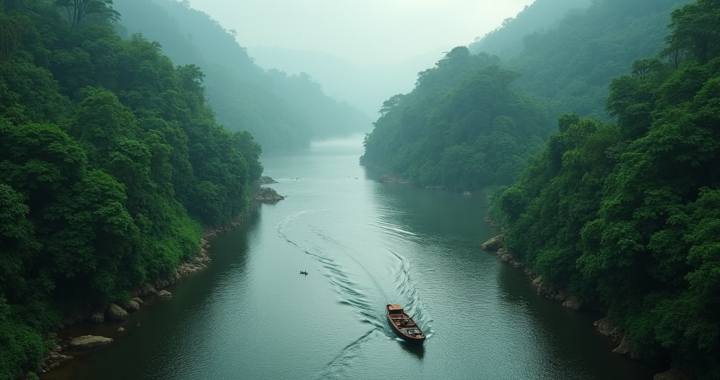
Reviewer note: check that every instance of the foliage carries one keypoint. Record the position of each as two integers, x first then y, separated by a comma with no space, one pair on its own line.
110,162
282,112
572,61
506,41
78,12
626,215
463,127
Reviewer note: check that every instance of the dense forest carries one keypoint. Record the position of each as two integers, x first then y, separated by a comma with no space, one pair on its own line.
572,62
463,127
620,204
506,41
111,162
283,112
566,66
626,215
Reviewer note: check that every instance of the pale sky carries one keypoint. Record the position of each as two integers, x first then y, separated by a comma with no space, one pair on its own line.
360,31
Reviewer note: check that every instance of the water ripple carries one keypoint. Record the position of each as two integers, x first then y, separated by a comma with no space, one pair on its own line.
347,279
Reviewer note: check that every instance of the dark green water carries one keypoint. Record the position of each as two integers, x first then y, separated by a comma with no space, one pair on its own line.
364,243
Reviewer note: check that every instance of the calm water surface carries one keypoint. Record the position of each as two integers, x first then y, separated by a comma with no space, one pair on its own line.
364,243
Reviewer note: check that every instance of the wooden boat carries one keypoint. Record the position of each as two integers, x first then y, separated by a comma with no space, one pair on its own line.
403,325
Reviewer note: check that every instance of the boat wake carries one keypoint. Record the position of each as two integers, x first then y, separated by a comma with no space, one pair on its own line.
336,368
347,271
351,292
409,297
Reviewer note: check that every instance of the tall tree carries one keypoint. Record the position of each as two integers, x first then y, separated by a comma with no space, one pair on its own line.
81,12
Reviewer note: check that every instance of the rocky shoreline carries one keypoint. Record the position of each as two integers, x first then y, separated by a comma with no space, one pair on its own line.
66,347
605,326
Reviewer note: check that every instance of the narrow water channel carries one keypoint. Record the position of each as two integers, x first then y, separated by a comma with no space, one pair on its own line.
251,315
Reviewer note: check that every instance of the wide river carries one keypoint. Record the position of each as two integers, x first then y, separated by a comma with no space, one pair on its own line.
251,315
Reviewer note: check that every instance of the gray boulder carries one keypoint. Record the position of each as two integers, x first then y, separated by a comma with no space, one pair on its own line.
164,294
87,342
573,303
97,317
624,347
606,327
146,290
266,194
116,313
138,300
672,374
493,244
132,306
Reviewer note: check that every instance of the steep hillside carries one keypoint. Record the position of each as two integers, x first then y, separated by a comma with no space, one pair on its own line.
507,40
463,127
275,109
111,162
573,62
626,215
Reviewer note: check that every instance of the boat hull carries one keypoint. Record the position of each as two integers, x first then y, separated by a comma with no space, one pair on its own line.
404,326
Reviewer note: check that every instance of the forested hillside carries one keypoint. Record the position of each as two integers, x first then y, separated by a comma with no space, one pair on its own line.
626,215
572,62
506,41
569,66
282,112
110,163
463,127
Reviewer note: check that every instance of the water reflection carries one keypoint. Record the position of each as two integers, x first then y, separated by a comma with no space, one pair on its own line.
415,350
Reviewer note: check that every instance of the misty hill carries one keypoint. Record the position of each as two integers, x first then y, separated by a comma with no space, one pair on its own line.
573,61
571,65
463,127
506,41
364,86
282,112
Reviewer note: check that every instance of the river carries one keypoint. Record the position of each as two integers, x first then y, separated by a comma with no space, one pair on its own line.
251,315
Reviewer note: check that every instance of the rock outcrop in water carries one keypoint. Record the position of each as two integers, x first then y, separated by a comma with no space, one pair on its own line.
266,194
116,313
264,180
87,342
52,359
132,305
671,375
493,244
164,294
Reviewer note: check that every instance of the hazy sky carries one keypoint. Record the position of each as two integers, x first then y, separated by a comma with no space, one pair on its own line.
361,31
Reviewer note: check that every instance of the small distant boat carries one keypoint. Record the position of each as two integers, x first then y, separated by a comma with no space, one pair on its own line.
403,325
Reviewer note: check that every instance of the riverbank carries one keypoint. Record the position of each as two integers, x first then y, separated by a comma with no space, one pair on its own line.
84,331
604,326
71,339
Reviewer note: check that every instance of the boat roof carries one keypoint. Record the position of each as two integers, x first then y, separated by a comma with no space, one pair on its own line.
395,307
